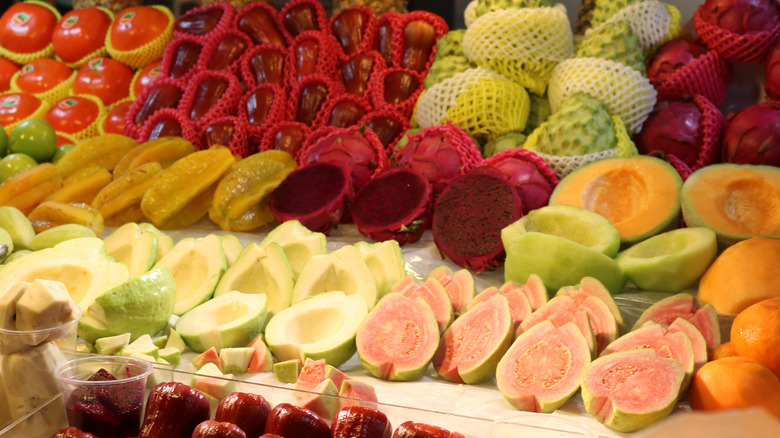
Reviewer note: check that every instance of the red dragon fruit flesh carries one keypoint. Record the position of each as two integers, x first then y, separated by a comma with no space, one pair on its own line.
469,215
753,136
393,205
317,195
672,128
741,16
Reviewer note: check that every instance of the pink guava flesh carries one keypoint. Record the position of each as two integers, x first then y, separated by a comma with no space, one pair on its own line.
393,205
468,218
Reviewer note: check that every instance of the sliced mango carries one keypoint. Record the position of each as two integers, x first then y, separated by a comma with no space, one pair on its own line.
82,185
120,201
181,187
164,150
28,188
49,214
104,150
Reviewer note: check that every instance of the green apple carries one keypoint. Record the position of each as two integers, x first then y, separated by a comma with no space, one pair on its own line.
134,247
559,262
670,261
260,271
14,163
61,151
139,306
322,326
229,320
298,242
577,224
197,265
341,270
34,137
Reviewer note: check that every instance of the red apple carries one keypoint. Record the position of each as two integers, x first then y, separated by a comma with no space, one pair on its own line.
216,429
42,74
15,107
248,411
361,422
114,122
137,26
146,76
80,33
289,420
72,114
27,27
7,69
174,410
105,78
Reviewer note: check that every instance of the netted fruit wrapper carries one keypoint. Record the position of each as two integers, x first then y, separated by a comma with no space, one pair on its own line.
146,53
481,102
654,22
523,45
747,48
708,75
26,58
226,20
713,123
50,96
89,130
470,13
154,126
563,166
621,88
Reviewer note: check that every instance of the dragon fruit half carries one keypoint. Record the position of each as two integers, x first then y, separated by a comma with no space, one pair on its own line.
441,153
533,179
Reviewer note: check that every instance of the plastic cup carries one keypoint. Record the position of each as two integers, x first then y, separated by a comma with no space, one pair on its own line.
539,426
106,408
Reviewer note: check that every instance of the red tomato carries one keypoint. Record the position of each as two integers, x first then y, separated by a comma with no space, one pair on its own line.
42,74
79,33
106,78
135,26
7,69
27,27
15,107
146,76
72,114
115,120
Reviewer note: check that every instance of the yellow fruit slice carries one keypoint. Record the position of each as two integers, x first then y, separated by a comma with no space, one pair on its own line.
240,201
28,188
180,184
82,185
105,150
120,201
164,150
52,213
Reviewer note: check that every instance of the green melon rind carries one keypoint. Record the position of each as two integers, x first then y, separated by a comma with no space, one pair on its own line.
694,219
393,312
559,262
596,400
671,261
540,336
493,313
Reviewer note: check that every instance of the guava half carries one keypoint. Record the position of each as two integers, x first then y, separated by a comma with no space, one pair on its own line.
684,305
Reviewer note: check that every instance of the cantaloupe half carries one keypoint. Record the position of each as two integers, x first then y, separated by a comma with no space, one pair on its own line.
639,195
737,201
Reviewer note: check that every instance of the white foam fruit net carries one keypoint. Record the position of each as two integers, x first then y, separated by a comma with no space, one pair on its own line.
624,90
523,44
652,21
470,13
564,165
481,102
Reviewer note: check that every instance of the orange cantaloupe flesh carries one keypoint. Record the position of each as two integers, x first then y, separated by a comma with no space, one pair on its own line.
744,274
639,195
737,201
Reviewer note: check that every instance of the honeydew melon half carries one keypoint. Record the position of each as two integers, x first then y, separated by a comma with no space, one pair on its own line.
196,264
737,201
341,270
323,326
230,320
260,271
639,195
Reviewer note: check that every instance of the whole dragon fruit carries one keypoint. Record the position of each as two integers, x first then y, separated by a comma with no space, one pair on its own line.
753,136
741,16
441,153
672,128
772,73
673,56
531,176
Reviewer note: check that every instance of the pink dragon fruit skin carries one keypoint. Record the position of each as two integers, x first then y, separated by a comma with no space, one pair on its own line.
441,153
672,56
673,127
741,16
772,73
533,179
359,150
753,136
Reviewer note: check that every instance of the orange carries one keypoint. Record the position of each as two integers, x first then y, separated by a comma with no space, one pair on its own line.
735,383
723,350
755,333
